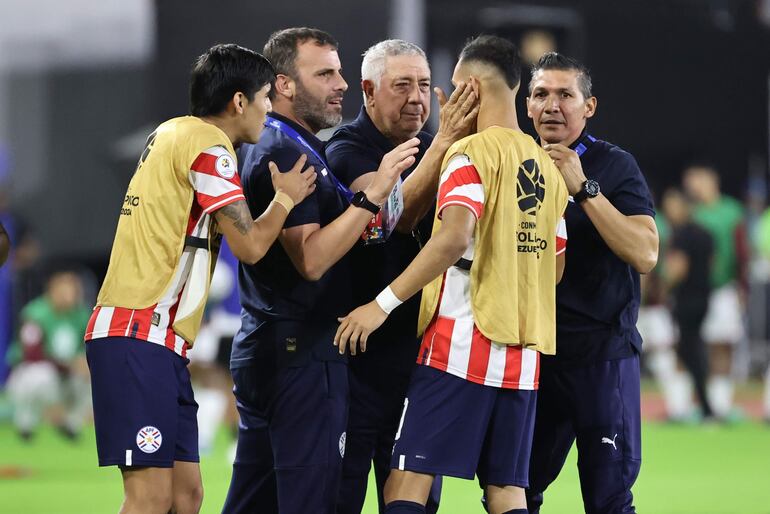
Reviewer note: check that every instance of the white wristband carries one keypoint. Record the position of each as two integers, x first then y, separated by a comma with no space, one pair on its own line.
387,300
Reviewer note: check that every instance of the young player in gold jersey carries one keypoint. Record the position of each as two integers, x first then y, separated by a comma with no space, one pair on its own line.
185,194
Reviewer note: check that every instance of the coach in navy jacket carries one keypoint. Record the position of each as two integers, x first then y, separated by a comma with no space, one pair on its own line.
291,384
589,390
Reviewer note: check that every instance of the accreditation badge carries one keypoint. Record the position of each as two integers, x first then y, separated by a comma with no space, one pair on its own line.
384,222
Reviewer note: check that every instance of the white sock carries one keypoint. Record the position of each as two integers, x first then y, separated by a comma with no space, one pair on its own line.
80,407
720,392
681,404
675,385
211,409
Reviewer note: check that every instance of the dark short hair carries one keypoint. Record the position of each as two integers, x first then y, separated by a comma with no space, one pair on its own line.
282,47
223,71
497,52
557,61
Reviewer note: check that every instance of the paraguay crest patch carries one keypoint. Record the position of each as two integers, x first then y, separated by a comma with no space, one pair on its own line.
149,439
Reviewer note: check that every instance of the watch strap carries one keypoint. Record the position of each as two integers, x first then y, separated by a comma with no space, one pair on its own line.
360,200
581,195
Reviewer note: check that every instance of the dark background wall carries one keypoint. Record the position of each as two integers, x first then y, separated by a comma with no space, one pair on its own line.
186,29
676,80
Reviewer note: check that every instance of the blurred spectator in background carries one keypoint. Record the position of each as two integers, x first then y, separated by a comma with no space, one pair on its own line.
762,245
19,251
48,359
5,244
688,268
657,328
723,328
210,362
659,332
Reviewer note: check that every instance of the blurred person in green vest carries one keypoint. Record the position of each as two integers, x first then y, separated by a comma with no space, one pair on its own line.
723,328
49,373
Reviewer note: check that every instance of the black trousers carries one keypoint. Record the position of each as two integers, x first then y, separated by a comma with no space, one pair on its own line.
692,351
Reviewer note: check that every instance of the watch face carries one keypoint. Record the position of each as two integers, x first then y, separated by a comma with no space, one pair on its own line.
592,187
358,199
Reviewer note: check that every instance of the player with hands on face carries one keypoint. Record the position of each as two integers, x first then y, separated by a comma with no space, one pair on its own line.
488,301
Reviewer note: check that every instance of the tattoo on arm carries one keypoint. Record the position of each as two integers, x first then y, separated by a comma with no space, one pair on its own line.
239,213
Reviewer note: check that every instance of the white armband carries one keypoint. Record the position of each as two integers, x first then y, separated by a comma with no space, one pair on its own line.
387,300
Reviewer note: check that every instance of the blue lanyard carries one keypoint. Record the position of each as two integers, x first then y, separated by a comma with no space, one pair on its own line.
293,134
581,148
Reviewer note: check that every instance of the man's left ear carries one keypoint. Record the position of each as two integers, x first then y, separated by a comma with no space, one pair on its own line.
367,86
591,107
238,102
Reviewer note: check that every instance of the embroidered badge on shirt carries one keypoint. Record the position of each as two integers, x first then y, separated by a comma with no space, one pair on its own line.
225,166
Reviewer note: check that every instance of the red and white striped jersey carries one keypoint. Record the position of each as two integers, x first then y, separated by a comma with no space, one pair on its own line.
151,258
452,342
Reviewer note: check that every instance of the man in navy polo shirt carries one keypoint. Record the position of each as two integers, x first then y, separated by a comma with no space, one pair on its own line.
589,390
291,385
395,78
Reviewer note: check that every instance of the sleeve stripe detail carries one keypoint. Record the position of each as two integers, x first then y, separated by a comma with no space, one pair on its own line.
461,185
476,208
561,236
473,192
561,230
456,162
212,185
464,179
222,202
206,163
463,175
217,151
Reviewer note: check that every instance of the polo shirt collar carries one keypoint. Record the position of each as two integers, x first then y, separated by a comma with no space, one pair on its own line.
580,145
583,143
371,132
308,136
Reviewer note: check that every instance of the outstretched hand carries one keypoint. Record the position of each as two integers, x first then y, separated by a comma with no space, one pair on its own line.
393,164
457,116
355,328
296,183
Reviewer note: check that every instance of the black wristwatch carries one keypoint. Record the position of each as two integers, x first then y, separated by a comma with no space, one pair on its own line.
590,189
360,200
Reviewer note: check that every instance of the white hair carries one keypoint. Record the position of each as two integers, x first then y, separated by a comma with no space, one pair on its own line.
373,65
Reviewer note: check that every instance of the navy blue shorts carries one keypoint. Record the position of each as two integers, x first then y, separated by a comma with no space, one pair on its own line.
144,409
454,427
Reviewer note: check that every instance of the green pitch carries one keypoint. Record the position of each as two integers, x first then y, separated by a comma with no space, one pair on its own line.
703,470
